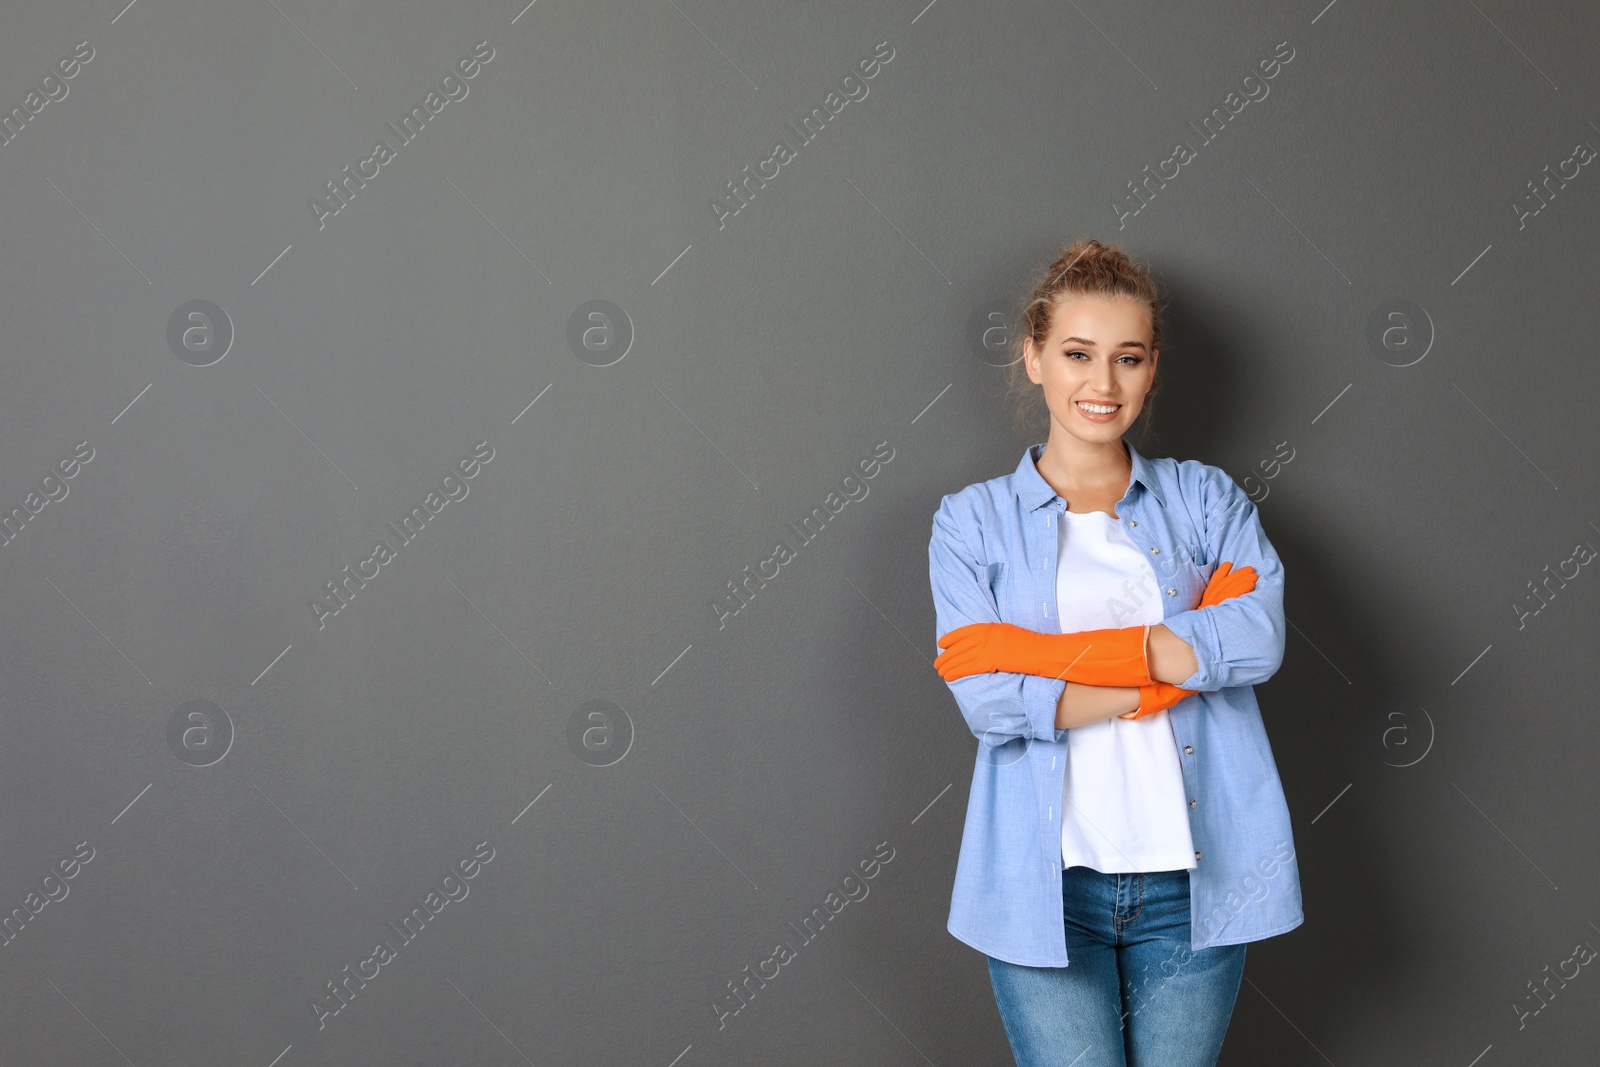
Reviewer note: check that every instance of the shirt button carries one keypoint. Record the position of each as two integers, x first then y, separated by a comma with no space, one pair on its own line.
1133,522
1155,551
1191,803
1197,855
1172,592
1186,748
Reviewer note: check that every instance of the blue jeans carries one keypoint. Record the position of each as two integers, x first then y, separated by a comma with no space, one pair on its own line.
1133,993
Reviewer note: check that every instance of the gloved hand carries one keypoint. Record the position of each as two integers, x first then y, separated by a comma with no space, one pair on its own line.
1226,582
1092,657
1154,698
1162,695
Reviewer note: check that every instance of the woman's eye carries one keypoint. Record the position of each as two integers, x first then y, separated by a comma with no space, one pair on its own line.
1131,360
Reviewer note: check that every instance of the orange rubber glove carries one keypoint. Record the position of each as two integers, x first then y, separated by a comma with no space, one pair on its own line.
1163,695
1154,698
1115,657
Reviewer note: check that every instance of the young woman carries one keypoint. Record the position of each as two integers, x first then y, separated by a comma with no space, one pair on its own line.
1103,617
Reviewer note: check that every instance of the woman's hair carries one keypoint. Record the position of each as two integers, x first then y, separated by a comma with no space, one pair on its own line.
1085,268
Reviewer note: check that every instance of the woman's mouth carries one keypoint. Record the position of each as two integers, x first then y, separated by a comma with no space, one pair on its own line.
1097,412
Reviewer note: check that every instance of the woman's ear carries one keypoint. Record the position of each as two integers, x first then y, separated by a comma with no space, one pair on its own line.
1029,361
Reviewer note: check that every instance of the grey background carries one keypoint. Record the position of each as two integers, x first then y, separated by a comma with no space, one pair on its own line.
765,759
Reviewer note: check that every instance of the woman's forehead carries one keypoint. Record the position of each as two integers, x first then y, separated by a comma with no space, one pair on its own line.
1108,315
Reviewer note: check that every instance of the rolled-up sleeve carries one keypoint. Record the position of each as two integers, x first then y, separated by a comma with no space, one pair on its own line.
998,706
1239,641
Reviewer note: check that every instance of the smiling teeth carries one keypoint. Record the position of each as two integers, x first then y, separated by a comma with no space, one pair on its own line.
1099,409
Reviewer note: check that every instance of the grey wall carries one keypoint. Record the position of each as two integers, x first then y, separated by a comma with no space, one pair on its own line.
253,797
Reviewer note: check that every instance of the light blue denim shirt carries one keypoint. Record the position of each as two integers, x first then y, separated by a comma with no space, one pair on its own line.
992,558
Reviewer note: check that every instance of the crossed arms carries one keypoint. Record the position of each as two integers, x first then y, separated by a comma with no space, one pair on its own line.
1234,638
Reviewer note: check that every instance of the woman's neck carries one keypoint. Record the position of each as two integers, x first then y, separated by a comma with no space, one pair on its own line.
1070,463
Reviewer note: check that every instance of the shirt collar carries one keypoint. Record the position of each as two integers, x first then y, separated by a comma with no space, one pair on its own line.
1035,492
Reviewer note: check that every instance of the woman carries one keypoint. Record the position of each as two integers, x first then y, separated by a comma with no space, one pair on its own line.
1103,617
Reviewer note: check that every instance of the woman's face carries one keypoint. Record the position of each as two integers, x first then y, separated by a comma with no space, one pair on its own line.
1098,357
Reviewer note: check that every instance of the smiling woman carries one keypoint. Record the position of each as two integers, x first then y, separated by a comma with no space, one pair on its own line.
1094,351
1139,722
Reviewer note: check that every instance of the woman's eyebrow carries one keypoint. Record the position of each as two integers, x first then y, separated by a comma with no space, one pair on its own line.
1086,341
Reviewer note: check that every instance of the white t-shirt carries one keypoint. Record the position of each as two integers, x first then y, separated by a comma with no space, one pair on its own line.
1123,804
